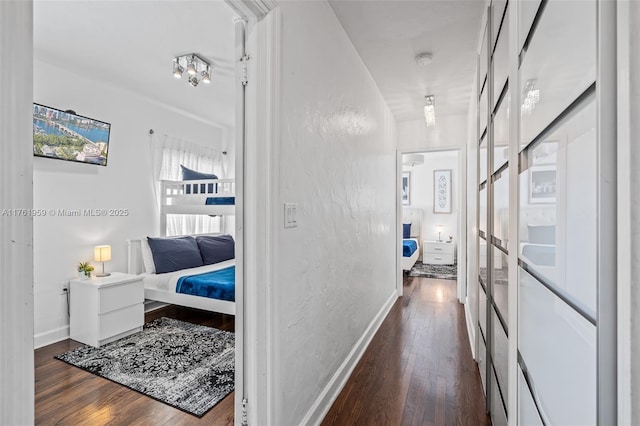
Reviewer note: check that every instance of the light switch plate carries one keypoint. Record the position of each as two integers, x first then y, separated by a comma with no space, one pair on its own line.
290,215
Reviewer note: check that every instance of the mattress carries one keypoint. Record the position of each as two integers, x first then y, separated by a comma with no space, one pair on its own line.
220,201
409,246
168,282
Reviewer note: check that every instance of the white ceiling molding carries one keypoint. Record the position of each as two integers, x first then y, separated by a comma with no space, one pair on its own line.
252,8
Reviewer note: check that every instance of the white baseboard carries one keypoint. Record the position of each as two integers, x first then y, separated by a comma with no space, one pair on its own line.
49,337
471,329
327,397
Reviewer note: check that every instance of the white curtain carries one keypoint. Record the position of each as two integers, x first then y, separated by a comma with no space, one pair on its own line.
168,153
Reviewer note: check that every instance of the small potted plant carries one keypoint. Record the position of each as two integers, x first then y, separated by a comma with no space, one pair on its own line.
85,269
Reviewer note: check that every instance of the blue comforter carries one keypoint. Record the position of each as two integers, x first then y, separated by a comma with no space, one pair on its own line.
218,284
409,247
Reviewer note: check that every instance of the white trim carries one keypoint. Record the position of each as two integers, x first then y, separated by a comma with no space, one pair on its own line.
471,329
51,336
607,186
241,236
627,14
16,233
514,201
399,268
327,397
252,9
269,100
257,166
462,224
462,204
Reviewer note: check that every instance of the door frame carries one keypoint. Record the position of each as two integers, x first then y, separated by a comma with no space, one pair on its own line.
16,233
257,218
461,251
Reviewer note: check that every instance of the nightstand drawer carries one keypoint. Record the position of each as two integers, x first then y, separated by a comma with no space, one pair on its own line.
120,296
439,248
117,322
438,259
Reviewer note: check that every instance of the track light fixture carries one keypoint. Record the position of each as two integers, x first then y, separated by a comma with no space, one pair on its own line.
197,68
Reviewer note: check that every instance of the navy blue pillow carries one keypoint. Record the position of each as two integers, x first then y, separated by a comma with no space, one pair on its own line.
406,230
173,254
216,248
188,174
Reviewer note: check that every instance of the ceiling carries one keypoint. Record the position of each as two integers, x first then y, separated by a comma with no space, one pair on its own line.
131,44
389,34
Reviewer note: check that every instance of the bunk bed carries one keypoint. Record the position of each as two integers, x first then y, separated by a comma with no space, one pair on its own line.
214,197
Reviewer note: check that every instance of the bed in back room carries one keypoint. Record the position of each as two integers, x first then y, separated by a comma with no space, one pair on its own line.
411,225
195,271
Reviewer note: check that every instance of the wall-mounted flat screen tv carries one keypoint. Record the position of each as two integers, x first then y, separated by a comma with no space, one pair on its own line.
68,136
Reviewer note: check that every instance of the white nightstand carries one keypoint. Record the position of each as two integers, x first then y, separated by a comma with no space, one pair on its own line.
438,253
106,309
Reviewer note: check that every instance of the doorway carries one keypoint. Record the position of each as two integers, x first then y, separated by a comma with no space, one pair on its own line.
432,212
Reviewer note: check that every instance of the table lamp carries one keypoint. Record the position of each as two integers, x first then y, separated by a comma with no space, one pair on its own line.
102,254
439,229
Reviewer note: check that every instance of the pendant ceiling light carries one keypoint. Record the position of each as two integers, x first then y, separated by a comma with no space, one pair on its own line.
412,159
429,110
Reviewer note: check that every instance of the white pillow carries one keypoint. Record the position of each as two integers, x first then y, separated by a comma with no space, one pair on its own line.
147,257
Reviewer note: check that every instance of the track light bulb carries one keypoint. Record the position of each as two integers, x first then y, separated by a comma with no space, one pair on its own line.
191,66
177,70
205,77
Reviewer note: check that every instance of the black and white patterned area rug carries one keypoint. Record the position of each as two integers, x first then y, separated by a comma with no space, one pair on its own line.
188,366
445,272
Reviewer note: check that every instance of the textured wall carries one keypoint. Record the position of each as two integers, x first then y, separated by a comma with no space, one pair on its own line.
449,132
338,267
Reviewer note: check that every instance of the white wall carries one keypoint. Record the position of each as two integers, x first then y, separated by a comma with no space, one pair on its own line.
449,132
422,194
337,269
125,183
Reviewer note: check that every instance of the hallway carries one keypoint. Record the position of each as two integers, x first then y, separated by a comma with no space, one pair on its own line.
418,369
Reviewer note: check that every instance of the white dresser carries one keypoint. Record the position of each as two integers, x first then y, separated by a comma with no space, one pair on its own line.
438,252
106,309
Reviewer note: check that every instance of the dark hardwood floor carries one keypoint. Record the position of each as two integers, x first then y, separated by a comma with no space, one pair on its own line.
67,395
418,369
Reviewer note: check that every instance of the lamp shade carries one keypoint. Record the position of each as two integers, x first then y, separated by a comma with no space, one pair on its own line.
102,253
439,228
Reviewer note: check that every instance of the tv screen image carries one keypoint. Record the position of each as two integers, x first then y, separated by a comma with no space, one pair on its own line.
67,136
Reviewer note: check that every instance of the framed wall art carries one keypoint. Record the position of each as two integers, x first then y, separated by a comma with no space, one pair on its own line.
442,191
406,188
